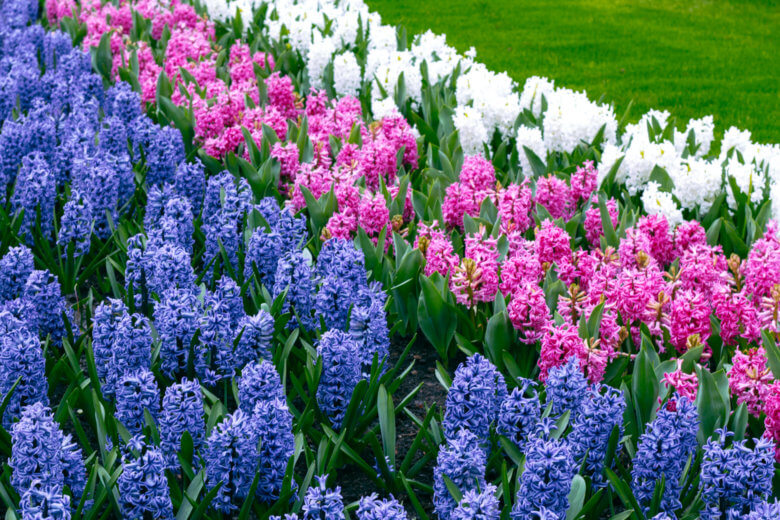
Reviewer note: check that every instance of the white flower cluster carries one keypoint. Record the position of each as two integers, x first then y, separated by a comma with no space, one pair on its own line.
328,32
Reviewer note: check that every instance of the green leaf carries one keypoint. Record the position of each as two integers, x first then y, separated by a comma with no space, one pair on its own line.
576,497
387,423
660,176
713,412
537,165
644,384
606,223
772,352
499,336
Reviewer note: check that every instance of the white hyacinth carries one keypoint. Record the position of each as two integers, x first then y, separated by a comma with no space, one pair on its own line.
346,75
531,138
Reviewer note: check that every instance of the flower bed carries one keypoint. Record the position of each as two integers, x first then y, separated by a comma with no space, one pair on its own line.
219,234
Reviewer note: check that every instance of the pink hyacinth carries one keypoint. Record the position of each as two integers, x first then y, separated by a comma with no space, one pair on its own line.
520,267
56,10
750,379
341,225
633,246
460,199
281,95
476,278
377,160
477,173
528,312
439,257
772,422
552,244
583,182
594,229
656,228
554,194
738,317
761,270
287,155
689,314
398,132
635,290
704,269
685,384
373,213
515,207
688,234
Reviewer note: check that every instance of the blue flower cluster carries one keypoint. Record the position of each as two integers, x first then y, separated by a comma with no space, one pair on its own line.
340,374
259,382
735,480
143,488
566,387
474,399
45,502
21,358
273,426
136,392
463,462
182,411
663,451
372,508
519,414
323,503
478,505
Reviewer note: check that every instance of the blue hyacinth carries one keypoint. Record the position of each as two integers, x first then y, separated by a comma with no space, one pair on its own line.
474,398
765,511
463,461
340,374
231,459
112,137
269,208
122,102
273,427
163,154
294,274
566,387
44,501
333,301
478,505
519,415
368,324
34,195
322,503
190,181
143,488
182,411
663,451
21,357
167,265
256,336
263,253
76,224
372,508
15,267
601,412
176,318
36,449
47,308
340,258
259,382
735,480
135,392
217,337
547,476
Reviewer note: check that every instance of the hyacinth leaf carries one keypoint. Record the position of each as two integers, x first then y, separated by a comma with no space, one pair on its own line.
626,496
511,449
537,165
739,421
434,317
413,498
610,236
772,352
576,497
713,411
622,516
663,179
644,383
9,502
190,497
498,337
387,423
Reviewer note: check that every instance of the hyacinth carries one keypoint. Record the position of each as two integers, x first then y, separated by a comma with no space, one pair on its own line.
256,337
190,181
44,502
143,488
342,259
689,315
76,224
259,382
656,229
559,344
176,320
42,293
273,426
515,205
463,461
36,449
182,411
519,414
340,374
547,476
321,502
476,278
294,274
600,413
478,505
750,379
566,388
772,422
167,265
555,195
35,193
216,336
372,508
262,253
583,181
594,228
21,357
765,511
520,267
738,317
686,385
129,351
368,324
333,301
737,479
474,398
136,392
105,326
552,244
663,451
15,267
528,312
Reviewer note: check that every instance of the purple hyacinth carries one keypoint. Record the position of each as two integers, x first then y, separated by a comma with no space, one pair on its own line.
231,459
368,324
225,205
167,265
137,391
36,449
547,476
519,415
322,503
478,505
34,194
105,326
333,301
100,181
474,399
76,224
190,181
44,502
256,336
21,357
182,411
292,229
122,102
176,318
269,208
15,267
765,511
566,387
463,461
340,258
273,427
294,274
340,374
372,508
259,382
228,293
263,253
163,154
735,480
663,451
46,306
600,413
156,199
113,136
143,488
216,337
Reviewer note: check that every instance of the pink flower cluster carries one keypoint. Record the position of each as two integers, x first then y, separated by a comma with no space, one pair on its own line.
683,383
476,278
56,10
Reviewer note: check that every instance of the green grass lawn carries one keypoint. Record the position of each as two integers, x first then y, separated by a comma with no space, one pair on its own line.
692,57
